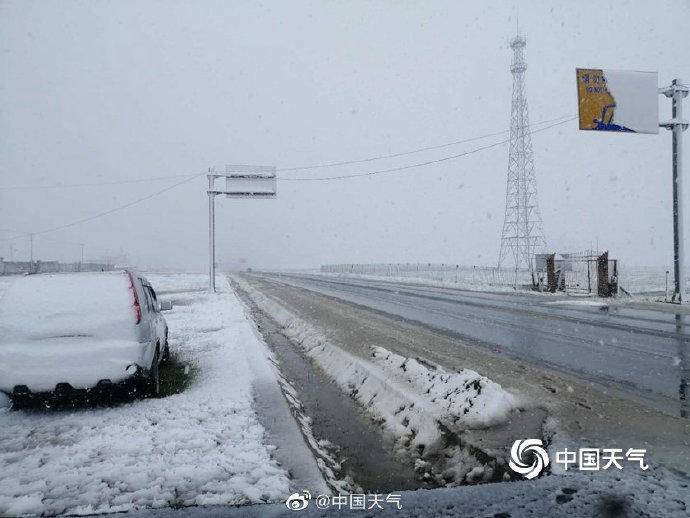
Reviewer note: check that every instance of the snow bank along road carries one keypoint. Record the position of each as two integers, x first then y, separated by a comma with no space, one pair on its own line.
423,408
204,446
586,369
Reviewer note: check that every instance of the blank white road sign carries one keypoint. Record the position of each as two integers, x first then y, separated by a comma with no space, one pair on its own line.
250,182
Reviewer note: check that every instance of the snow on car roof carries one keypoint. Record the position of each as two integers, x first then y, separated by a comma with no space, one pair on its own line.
42,306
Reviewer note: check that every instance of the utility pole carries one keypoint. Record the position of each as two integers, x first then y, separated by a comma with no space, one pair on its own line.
81,262
676,92
211,232
31,253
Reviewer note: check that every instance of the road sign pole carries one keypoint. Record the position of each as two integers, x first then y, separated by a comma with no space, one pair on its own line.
241,181
211,234
31,253
676,92
678,234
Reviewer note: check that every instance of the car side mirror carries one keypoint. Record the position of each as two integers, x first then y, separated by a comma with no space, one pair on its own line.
165,305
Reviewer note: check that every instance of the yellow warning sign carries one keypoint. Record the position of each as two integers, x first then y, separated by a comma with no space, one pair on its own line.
617,100
595,101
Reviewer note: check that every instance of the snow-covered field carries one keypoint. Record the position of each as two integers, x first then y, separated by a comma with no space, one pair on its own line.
5,282
202,446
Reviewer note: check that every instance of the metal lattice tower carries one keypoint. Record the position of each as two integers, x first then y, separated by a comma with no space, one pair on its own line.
522,234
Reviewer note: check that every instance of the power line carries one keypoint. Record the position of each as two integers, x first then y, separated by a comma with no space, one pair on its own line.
53,241
94,184
19,233
286,169
72,243
338,177
404,153
420,164
116,209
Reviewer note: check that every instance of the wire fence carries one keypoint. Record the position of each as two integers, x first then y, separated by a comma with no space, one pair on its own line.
441,273
580,275
649,280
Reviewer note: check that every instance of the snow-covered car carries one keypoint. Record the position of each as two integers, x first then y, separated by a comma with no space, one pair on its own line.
76,331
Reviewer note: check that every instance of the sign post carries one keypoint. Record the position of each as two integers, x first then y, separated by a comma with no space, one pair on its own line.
677,91
241,181
211,232
625,101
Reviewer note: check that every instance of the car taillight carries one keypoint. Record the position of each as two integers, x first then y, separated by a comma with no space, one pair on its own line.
135,304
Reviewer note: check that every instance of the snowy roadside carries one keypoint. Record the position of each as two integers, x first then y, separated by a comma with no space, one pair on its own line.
4,284
203,446
418,403
5,281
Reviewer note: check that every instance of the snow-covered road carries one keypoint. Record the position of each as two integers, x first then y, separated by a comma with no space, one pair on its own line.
203,446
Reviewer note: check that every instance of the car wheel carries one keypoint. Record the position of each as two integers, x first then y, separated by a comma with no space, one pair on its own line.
19,402
166,350
153,382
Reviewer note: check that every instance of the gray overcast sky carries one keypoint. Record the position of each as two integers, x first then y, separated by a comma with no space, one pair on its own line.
105,91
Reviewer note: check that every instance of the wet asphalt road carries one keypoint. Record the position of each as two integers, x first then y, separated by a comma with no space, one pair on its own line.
641,354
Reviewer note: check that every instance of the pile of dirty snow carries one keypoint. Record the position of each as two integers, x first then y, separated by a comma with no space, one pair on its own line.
465,398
